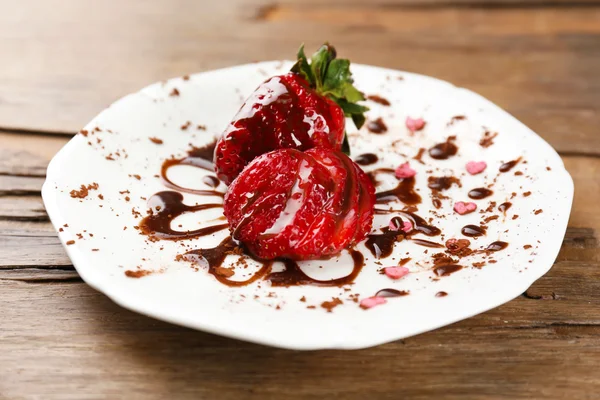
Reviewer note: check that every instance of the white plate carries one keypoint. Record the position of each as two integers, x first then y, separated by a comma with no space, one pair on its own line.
178,293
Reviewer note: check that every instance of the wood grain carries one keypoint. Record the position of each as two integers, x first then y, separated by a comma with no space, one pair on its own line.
27,155
84,346
540,63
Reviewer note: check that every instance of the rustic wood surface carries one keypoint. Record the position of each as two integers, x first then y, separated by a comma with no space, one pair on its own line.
62,62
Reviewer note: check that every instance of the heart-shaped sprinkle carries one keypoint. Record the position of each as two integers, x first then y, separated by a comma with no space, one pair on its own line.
406,226
476,167
370,302
415,124
405,171
396,272
464,208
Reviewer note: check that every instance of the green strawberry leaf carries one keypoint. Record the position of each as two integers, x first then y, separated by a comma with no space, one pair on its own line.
302,67
331,77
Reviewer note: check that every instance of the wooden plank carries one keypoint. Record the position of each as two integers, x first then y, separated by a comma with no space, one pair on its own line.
84,346
27,154
541,64
27,244
40,275
20,185
22,208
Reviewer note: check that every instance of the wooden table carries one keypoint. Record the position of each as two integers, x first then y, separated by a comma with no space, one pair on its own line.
63,62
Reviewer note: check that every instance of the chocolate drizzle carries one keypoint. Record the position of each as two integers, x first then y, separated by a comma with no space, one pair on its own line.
292,275
473,230
366,159
381,245
199,157
378,99
504,207
211,181
497,246
168,205
214,257
420,225
377,126
388,292
480,193
509,165
404,190
445,270
442,182
445,150
427,243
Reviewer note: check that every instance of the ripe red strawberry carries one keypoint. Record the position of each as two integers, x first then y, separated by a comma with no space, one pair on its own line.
303,109
298,205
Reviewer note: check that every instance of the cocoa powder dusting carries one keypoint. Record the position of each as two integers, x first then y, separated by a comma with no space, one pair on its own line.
330,305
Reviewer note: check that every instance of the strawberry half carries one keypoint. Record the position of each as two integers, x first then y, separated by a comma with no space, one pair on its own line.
303,109
289,204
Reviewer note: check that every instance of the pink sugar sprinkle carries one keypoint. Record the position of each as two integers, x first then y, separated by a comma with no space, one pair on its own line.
405,171
372,302
396,272
464,208
415,125
476,167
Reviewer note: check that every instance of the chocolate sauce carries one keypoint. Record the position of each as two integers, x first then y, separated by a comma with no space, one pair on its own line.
442,182
445,270
397,223
473,231
378,99
168,205
377,126
427,243
420,225
366,159
199,157
419,155
441,294
443,151
497,246
504,207
392,293
509,165
404,192
214,258
292,275
211,181
480,193
382,245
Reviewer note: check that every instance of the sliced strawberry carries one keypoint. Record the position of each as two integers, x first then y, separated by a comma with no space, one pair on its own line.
298,205
303,109
256,200
366,206
345,206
